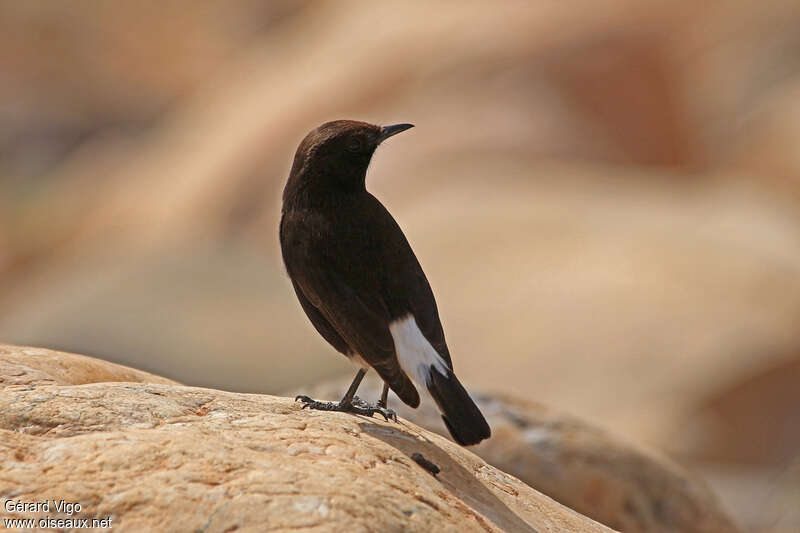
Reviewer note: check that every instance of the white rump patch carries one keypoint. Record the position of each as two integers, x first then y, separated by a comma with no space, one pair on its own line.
414,352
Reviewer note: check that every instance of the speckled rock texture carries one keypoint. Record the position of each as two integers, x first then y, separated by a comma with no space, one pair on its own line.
627,488
22,365
165,457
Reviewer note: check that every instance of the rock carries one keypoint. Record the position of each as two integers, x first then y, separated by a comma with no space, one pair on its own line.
715,422
165,457
757,476
580,466
20,365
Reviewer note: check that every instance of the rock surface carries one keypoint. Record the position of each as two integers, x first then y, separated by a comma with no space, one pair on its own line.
164,457
581,466
21,365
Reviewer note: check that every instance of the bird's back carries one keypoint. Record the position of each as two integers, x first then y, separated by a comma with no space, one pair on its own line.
336,239
362,243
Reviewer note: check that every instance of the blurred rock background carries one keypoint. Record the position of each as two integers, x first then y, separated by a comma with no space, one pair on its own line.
604,197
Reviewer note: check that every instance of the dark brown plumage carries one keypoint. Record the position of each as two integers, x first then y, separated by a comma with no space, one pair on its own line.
359,281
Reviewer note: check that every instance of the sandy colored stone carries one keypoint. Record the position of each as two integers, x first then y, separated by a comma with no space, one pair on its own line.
159,457
581,466
22,365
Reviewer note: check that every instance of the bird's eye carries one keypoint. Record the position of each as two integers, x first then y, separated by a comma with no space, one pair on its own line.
354,145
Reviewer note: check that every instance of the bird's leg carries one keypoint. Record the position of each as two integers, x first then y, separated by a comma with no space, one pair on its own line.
350,403
347,399
383,402
344,404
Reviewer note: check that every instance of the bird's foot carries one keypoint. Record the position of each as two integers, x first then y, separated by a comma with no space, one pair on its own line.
314,404
357,406
376,408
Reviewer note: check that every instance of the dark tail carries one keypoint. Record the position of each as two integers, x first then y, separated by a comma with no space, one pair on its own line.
460,414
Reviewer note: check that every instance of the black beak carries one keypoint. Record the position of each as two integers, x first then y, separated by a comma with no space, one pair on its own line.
388,131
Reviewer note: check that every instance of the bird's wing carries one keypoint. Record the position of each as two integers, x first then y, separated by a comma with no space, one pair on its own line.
320,323
322,268
423,306
407,288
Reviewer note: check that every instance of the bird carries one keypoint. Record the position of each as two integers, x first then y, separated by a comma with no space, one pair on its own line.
360,283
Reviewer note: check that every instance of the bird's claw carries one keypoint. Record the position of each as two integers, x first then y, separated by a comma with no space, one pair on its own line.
356,405
311,403
387,414
369,409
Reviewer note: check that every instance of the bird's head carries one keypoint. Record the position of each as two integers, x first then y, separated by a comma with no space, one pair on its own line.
336,155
